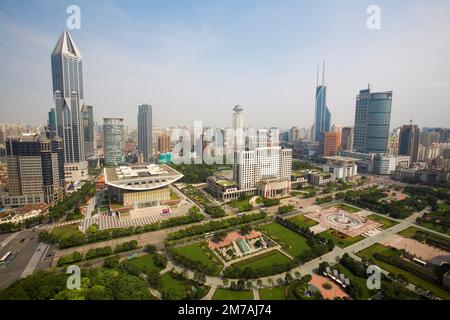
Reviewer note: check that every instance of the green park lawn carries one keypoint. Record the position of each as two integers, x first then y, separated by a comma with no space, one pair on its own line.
145,263
292,243
435,227
386,222
263,260
200,252
166,281
303,221
370,251
275,293
347,207
422,235
226,294
237,203
347,241
178,288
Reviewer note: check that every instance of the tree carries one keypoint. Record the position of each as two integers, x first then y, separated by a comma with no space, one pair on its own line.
111,262
150,249
323,266
259,283
153,279
199,277
288,277
240,285
249,285
245,229
226,282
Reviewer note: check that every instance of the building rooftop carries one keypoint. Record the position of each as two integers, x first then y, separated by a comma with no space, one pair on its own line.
141,177
342,159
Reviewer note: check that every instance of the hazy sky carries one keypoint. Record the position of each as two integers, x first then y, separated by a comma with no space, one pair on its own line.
194,60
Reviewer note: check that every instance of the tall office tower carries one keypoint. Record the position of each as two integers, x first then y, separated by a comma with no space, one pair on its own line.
257,139
238,126
51,123
68,97
336,127
163,143
294,134
332,143
145,137
432,135
67,76
322,115
239,141
35,170
347,138
263,164
372,120
88,131
286,164
114,140
409,140
2,137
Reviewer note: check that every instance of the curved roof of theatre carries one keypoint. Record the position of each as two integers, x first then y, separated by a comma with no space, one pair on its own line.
141,177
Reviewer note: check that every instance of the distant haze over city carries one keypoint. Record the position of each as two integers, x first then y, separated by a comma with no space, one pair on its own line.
195,60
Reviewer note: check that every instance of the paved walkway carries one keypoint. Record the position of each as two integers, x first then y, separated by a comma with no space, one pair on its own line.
9,239
210,294
35,259
255,294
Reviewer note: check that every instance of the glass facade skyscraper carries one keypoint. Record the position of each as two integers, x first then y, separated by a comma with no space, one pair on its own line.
88,130
322,117
372,121
67,78
114,140
145,129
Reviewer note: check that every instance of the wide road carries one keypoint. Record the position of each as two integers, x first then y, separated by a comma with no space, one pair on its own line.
24,244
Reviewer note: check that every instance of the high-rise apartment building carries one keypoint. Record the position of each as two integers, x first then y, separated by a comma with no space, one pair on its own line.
163,143
145,129
372,121
332,143
114,140
347,138
35,170
68,97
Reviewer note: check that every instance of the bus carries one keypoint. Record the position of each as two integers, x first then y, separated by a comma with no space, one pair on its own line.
5,257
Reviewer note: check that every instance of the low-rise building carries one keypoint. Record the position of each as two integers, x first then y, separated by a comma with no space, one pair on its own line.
320,178
140,185
341,167
273,188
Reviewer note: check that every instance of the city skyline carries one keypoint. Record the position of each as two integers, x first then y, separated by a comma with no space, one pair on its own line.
291,92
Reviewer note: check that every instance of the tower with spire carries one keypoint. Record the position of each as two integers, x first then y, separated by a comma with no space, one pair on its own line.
68,97
322,116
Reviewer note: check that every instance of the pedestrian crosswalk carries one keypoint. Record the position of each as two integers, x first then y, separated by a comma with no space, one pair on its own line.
113,221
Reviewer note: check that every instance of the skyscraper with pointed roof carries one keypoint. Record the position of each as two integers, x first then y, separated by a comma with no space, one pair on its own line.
322,117
68,96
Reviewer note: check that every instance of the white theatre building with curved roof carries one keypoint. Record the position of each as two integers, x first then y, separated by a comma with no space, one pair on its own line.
141,185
